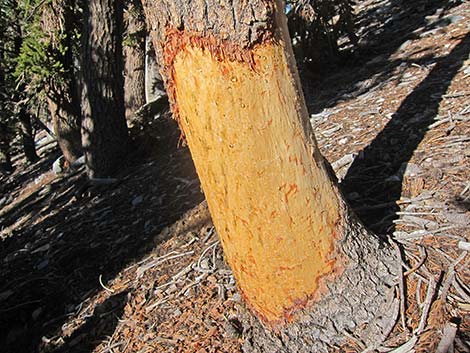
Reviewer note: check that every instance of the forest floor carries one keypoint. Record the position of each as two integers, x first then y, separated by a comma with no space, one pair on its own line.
136,266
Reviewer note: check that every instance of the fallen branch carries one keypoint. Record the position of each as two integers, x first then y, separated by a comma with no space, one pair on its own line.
427,306
401,285
448,336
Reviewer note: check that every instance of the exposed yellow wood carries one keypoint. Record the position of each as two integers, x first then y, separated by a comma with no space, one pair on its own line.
272,203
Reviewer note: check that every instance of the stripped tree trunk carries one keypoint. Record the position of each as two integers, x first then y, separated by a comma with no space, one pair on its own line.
307,269
57,22
134,58
104,129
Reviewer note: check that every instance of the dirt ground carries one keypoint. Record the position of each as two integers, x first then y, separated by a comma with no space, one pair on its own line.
136,266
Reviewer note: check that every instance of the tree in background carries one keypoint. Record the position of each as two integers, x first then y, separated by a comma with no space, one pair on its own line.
134,57
6,67
104,130
59,23
316,27
308,270
16,87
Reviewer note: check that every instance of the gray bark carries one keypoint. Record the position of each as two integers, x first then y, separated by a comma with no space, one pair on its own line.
27,135
134,58
153,79
360,303
57,22
104,129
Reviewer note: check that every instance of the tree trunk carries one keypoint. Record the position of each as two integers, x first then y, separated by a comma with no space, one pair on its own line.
57,22
153,80
307,269
134,58
27,136
66,129
5,158
104,130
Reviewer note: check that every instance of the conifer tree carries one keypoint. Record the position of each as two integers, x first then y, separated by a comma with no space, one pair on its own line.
104,129
307,269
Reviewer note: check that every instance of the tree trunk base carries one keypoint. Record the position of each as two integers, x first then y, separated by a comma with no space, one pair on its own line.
359,305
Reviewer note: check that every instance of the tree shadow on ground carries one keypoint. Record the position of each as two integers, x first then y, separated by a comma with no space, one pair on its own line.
376,175
97,328
74,233
384,30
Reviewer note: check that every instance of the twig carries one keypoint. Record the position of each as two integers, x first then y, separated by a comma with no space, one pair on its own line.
209,234
451,275
100,279
448,336
418,292
198,266
401,285
141,270
427,306
109,348
459,287
20,305
422,251
407,347
154,305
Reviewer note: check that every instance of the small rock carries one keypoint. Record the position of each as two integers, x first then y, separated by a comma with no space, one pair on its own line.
43,264
6,294
137,200
237,298
453,19
58,165
36,313
404,45
411,169
393,179
353,196
204,264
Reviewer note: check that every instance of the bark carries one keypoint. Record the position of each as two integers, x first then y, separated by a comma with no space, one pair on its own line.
66,126
307,269
153,80
134,58
5,158
104,130
57,23
27,135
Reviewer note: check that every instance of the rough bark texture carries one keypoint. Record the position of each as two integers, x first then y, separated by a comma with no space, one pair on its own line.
62,93
27,135
360,303
238,22
104,130
307,268
66,126
5,159
134,58
153,80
